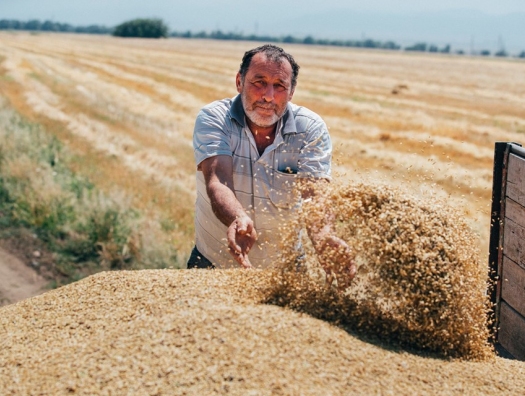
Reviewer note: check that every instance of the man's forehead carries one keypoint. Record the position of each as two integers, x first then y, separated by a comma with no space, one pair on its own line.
261,62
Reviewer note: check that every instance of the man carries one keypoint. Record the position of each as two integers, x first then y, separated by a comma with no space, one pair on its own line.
251,151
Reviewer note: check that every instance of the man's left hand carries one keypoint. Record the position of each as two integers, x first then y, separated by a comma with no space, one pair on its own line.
336,258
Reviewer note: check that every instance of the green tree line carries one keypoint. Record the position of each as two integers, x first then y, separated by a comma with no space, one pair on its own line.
50,26
220,35
156,28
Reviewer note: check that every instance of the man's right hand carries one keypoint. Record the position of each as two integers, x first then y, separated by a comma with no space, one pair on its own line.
241,237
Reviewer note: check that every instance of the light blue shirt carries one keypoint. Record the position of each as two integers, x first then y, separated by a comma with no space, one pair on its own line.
263,184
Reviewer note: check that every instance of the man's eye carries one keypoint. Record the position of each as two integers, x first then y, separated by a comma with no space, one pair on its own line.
279,87
258,84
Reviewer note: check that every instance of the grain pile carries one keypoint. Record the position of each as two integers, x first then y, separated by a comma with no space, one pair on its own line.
201,332
418,300
420,280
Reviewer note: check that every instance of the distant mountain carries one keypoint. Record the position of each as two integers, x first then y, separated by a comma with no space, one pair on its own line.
463,29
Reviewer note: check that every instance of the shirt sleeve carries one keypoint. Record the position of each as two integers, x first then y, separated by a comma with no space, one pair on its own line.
316,155
210,135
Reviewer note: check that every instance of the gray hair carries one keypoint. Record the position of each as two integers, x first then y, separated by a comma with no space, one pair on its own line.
273,53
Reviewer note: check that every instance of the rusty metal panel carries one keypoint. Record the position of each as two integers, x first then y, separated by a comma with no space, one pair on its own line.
513,285
516,179
515,212
511,334
507,249
514,242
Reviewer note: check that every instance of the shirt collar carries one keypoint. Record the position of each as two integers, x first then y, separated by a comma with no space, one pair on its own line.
237,113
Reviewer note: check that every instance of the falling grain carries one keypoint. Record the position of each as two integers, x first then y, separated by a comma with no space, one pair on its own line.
420,282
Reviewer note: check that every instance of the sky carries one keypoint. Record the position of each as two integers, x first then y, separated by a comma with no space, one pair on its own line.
485,22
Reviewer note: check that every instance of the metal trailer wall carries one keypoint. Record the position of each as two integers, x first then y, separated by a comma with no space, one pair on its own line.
507,250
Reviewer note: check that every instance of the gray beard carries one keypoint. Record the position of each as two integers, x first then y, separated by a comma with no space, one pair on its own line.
260,121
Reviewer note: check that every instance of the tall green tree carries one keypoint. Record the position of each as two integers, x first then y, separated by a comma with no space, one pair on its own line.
146,28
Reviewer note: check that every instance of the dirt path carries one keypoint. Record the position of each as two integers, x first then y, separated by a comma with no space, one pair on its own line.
17,280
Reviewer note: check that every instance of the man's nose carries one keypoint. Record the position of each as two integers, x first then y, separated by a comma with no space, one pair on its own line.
268,93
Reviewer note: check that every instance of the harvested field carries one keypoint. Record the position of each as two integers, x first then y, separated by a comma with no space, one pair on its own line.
125,109
204,332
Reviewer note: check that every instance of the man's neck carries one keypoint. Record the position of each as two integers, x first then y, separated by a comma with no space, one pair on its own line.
263,136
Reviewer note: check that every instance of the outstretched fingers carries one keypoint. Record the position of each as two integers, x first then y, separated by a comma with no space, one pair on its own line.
241,237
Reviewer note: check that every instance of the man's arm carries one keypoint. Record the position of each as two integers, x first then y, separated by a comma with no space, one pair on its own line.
333,253
218,176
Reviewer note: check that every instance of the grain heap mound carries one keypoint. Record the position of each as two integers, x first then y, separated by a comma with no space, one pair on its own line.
205,332
420,281
198,332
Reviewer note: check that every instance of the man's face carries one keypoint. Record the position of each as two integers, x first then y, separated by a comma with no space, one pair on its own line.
266,90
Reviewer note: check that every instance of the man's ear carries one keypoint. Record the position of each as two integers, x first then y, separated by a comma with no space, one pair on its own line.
238,82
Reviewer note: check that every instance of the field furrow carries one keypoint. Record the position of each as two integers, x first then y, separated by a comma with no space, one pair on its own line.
127,107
